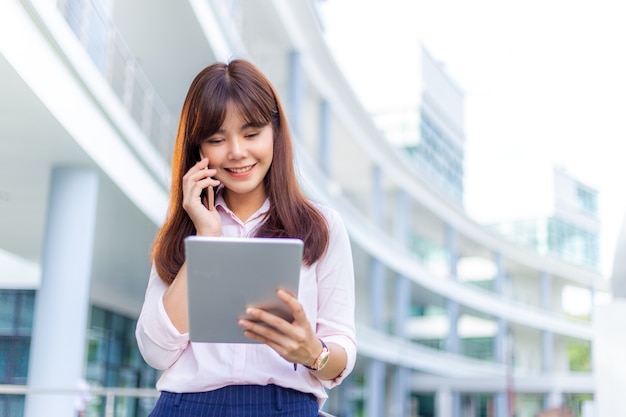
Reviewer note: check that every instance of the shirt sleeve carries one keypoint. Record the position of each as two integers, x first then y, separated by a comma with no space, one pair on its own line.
336,294
160,343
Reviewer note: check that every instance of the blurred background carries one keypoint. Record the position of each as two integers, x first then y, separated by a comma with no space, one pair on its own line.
473,151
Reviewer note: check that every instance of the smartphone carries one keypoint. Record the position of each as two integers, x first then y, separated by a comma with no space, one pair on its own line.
209,202
209,192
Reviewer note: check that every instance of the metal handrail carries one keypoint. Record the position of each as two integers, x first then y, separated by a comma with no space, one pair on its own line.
109,393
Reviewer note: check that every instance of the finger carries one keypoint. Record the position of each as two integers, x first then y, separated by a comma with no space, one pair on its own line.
202,179
294,305
202,163
277,324
263,333
194,175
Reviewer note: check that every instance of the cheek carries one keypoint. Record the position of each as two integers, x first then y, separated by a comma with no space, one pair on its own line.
268,149
270,152
212,154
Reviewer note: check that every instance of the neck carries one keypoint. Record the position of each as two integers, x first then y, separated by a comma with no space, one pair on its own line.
244,205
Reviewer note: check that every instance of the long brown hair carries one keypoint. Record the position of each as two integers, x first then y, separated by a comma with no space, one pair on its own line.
204,110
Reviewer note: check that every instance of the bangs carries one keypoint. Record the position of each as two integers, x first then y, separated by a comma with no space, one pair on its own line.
238,84
252,112
212,113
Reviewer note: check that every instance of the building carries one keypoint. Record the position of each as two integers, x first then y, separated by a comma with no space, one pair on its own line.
609,368
550,211
430,129
91,93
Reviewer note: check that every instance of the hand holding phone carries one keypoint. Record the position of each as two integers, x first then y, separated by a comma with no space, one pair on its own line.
199,198
207,196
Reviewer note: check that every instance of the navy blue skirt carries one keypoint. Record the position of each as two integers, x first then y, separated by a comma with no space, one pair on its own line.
237,401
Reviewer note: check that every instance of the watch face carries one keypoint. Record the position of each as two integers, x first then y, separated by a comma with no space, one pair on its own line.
323,360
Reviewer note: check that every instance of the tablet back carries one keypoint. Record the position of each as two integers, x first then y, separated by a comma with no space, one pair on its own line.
226,275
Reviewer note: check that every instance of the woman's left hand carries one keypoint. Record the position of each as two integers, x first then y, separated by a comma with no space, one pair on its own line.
296,341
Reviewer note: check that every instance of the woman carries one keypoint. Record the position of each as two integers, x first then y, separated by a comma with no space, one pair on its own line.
233,138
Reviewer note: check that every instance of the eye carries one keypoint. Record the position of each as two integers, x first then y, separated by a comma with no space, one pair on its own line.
251,135
214,141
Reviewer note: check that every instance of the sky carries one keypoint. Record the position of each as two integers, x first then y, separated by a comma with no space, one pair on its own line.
544,84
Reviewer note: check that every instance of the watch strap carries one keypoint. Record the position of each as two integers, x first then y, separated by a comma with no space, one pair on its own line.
321,360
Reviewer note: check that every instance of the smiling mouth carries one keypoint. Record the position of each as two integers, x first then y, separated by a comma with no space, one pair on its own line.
241,170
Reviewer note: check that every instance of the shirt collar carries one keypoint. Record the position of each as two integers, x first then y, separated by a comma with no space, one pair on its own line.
220,202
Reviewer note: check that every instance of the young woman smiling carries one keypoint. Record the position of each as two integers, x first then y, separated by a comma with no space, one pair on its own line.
234,176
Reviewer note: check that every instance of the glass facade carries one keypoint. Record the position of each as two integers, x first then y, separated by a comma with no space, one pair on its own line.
113,358
587,200
440,157
16,321
572,243
556,236
437,154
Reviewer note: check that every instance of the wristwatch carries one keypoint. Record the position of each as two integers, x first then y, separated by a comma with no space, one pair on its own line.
322,359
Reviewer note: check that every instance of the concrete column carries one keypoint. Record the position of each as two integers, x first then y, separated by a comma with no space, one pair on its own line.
400,382
500,337
443,402
57,352
296,91
453,343
324,150
375,389
609,361
501,405
377,295
501,348
547,338
375,373
402,299
399,393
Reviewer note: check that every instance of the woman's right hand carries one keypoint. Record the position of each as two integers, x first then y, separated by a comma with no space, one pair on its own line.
202,213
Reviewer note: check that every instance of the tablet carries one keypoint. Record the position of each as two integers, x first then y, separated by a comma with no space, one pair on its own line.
226,275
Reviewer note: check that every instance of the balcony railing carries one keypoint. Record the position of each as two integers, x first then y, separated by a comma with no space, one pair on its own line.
110,54
101,398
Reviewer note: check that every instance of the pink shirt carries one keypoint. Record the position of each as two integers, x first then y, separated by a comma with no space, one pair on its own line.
326,292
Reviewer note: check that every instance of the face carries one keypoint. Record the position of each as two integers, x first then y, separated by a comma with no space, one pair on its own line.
242,155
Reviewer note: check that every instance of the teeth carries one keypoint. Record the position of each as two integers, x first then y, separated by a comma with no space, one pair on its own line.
240,170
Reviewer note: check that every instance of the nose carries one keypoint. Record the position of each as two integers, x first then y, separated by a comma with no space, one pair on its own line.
237,149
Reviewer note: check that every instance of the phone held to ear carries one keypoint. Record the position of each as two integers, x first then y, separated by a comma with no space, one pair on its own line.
207,196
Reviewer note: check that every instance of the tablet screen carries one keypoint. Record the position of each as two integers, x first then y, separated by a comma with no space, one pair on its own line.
226,275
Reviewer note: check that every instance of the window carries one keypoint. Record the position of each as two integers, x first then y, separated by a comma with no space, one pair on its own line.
587,200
